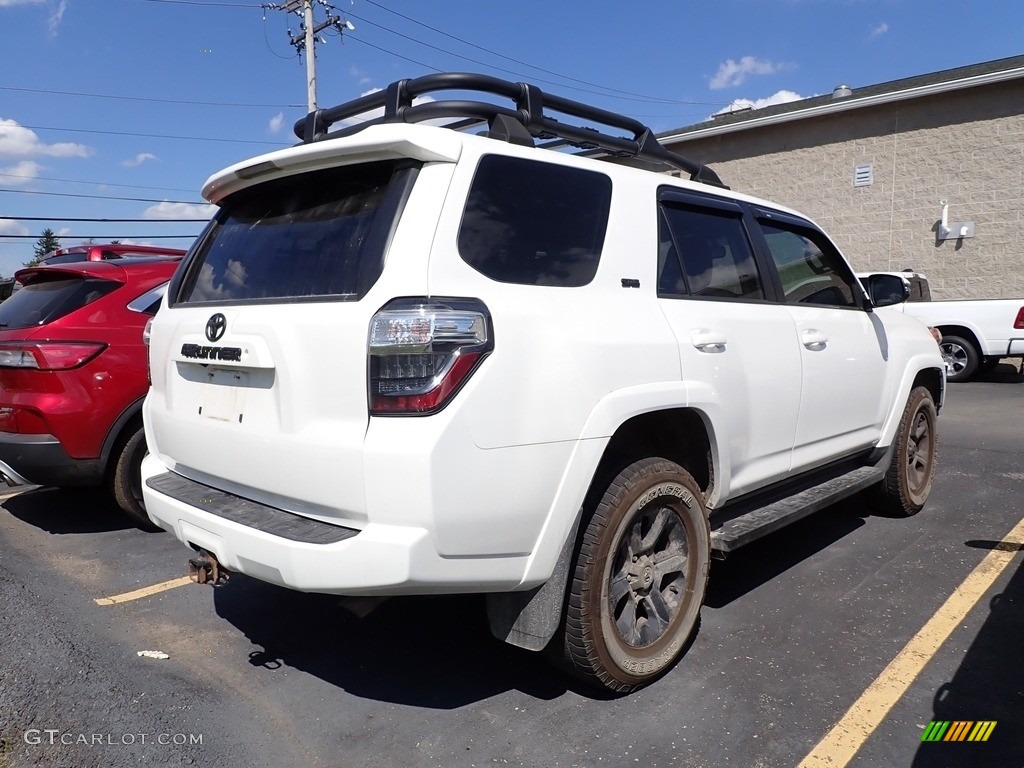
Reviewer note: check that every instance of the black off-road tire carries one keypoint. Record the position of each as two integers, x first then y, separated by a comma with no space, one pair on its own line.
639,577
908,479
126,477
961,358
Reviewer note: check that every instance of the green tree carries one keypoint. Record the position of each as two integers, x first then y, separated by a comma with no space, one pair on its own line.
48,241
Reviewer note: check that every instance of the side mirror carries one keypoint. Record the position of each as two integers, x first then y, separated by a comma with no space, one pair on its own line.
886,290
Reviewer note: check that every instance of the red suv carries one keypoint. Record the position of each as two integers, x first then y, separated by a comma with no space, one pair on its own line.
107,251
73,374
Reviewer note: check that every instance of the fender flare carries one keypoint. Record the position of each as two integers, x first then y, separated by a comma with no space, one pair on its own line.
530,618
134,409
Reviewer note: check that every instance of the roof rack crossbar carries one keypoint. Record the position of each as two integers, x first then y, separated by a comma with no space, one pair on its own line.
397,104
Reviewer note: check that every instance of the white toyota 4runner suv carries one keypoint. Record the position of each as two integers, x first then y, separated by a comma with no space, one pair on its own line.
405,358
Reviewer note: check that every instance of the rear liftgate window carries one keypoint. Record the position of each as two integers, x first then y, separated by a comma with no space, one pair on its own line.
49,297
319,235
535,223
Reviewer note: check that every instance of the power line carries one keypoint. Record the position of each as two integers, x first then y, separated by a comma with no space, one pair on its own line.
499,69
606,91
305,41
392,53
266,41
204,3
153,135
635,96
64,218
98,183
100,197
147,98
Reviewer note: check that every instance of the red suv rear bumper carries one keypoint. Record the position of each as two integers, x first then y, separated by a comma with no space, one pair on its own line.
42,460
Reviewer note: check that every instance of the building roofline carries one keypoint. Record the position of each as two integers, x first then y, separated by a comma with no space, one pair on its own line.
897,90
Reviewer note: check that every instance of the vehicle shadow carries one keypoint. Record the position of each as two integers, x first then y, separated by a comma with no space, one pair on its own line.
437,651
426,651
1004,373
988,685
761,561
68,510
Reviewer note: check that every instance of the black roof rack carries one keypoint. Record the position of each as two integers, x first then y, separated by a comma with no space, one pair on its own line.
519,126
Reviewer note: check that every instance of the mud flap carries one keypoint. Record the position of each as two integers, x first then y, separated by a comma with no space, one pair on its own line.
530,619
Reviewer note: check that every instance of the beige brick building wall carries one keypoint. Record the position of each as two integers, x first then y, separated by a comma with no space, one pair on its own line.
966,147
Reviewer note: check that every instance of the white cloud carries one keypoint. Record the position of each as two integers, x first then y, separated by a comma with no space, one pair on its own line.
779,97
21,173
17,141
379,112
11,227
9,3
275,122
167,210
880,30
731,73
57,16
359,76
63,232
139,159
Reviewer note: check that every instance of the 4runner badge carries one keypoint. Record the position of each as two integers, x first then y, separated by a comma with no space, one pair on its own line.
216,326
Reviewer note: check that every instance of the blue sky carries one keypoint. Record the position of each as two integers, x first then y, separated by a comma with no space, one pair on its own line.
144,99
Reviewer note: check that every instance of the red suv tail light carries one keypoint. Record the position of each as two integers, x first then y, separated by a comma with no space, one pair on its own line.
422,351
1019,320
48,355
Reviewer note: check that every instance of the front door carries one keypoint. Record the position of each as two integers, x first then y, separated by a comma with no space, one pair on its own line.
842,346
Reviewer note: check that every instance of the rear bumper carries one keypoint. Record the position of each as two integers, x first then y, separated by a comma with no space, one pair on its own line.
292,551
42,460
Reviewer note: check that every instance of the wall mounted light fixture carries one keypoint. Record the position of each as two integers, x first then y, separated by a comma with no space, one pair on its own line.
954,230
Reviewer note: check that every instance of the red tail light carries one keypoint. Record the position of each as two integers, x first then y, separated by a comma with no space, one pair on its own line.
422,351
48,355
1019,321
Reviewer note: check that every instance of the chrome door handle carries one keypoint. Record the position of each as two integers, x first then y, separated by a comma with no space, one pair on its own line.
813,338
708,341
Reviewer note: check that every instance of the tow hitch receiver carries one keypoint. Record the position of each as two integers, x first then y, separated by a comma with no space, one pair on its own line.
205,569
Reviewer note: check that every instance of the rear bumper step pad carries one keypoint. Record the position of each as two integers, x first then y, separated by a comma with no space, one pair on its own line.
252,514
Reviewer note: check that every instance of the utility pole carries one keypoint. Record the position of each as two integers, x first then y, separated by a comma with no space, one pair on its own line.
306,40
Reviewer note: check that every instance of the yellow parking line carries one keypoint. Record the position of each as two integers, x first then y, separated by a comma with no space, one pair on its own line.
847,736
144,592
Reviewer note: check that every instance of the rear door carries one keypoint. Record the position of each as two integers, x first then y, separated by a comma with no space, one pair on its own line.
260,357
738,348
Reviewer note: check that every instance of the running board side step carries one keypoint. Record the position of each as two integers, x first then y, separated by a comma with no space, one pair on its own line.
761,521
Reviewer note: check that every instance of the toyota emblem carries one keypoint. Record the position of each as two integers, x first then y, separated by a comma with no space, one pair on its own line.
216,326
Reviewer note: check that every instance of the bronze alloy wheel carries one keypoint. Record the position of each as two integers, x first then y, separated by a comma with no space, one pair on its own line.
908,480
640,577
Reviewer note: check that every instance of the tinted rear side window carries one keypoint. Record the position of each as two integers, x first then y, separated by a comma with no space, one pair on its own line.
706,253
46,298
535,223
312,235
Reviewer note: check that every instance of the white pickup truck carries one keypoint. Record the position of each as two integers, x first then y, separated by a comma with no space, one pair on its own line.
976,333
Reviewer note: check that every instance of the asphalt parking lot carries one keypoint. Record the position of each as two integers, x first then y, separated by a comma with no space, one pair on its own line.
834,642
